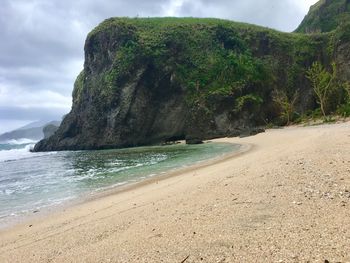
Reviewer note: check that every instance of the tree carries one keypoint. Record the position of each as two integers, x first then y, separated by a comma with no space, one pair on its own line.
346,87
287,104
322,83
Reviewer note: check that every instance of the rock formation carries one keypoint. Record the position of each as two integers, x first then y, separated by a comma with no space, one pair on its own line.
152,80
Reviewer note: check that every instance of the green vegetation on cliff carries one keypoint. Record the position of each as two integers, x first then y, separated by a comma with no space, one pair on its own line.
325,16
150,80
213,60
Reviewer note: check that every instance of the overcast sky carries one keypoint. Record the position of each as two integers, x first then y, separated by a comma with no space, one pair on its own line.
41,47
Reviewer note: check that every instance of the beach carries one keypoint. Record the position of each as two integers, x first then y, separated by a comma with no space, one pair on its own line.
284,197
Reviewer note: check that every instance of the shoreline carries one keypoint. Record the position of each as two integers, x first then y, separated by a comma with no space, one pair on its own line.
28,218
284,200
168,174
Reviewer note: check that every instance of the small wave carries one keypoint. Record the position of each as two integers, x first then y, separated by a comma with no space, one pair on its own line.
104,188
20,141
19,154
15,154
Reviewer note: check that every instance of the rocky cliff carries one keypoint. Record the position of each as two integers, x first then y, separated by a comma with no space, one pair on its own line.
151,80
325,16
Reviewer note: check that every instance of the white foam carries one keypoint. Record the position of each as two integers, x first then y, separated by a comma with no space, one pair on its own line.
21,141
19,154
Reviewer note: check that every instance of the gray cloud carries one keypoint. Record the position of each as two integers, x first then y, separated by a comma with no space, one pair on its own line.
24,114
282,15
41,50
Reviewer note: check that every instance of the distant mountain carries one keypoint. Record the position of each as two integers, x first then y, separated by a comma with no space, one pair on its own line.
37,124
33,131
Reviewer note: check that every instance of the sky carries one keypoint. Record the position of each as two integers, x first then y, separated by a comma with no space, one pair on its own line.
42,42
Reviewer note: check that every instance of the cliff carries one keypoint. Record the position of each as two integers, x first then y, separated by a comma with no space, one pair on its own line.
325,16
151,80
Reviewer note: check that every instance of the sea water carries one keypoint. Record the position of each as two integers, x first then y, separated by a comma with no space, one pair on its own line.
32,182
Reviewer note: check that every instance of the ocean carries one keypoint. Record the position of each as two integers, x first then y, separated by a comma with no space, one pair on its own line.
33,182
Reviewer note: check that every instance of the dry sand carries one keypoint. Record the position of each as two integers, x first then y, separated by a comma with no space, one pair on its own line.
287,199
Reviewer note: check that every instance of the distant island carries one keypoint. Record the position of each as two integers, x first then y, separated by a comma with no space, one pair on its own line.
33,131
152,80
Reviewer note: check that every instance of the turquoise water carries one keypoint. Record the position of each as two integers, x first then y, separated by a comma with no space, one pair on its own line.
36,181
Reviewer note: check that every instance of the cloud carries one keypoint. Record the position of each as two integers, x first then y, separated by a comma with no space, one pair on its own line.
41,47
172,8
282,15
305,4
44,99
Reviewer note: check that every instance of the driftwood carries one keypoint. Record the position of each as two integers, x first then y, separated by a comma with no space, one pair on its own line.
185,259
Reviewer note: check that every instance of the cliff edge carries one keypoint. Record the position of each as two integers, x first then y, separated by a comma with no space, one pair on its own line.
152,80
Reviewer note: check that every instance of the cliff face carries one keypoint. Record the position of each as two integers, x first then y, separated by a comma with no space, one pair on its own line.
341,51
325,16
152,80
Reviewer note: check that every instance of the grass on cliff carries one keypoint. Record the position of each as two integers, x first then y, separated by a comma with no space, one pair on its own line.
219,63
325,16
211,58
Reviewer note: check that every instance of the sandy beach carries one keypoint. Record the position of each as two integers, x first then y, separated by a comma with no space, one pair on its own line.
284,198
